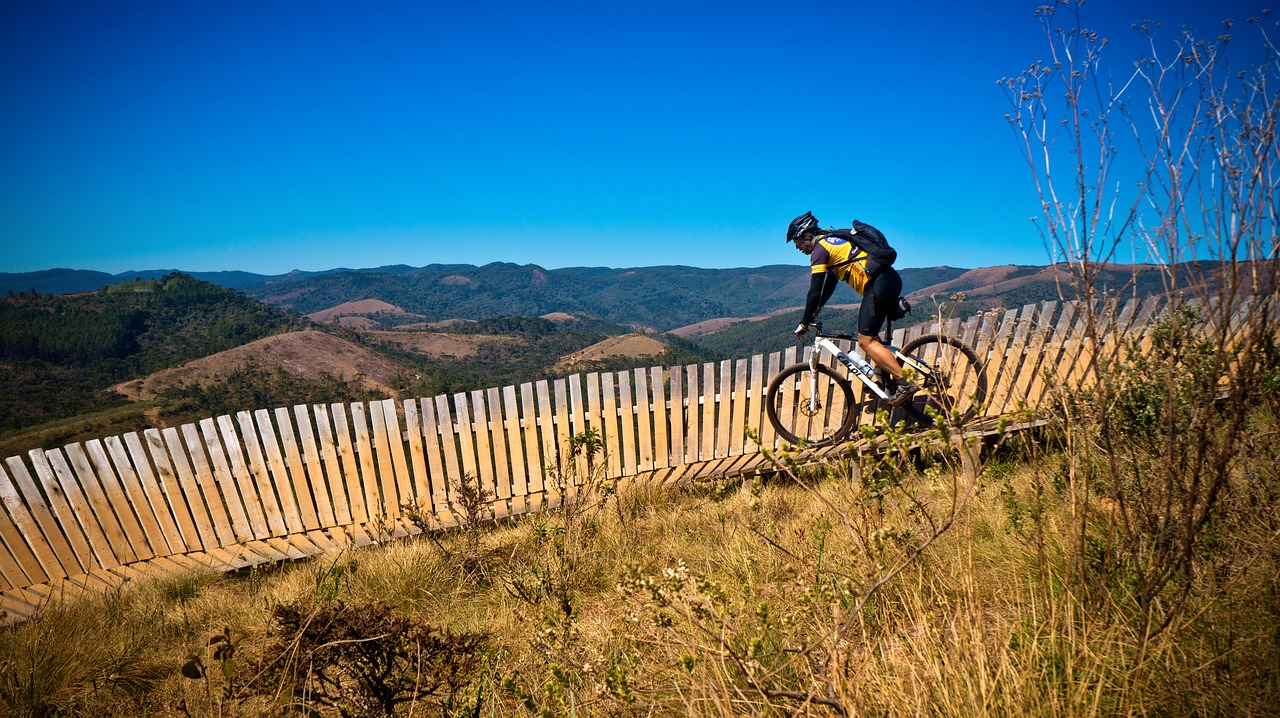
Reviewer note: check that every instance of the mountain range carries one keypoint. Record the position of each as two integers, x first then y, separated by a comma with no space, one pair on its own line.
652,298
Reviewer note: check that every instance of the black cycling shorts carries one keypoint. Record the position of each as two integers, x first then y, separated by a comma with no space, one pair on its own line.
880,296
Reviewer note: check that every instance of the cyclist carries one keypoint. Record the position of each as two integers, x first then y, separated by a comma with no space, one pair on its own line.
864,263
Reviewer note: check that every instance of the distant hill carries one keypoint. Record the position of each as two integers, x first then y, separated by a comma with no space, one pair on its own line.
307,354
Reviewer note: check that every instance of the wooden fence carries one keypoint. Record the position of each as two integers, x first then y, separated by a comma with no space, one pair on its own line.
271,485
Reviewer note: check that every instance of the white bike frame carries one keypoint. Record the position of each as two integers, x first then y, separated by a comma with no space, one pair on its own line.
858,366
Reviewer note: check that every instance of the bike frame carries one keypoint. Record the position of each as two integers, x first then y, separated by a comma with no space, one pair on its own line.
856,363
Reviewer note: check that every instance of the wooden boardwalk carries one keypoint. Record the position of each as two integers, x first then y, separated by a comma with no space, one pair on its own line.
265,486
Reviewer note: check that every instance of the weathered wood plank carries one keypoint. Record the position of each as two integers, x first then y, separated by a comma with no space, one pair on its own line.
708,411
60,505
282,485
116,538
449,446
136,496
611,434
578,418
369,491
481,427
315,472
243,477
347,494
382,430
515,442
264,488
644,421
171,486
225,482
420,496
546,428
693,415
501,449
738,414
724,409
117,500
466,439
156,496
677,412
298,480
768,435
532,444
37,526
205,490
627,435
435,458
399,462
661,413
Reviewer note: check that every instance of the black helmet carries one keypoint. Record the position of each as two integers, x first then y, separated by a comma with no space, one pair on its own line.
804,223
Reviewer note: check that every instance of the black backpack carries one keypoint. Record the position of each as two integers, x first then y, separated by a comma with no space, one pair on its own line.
870,240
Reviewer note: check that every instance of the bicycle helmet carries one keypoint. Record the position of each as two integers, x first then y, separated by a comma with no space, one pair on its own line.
804,223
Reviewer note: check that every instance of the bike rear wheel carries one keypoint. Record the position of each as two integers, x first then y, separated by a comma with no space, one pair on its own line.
813,410
952,380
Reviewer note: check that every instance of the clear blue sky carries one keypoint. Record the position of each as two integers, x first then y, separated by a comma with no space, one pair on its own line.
267,136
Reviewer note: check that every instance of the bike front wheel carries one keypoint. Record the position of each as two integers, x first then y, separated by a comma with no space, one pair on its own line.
952,380
810,409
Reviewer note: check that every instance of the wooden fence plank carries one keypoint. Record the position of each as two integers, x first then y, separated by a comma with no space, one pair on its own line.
708,409
482,428
383,428
578,417
1035,350
117,500
368,474
439,501
611,434
243,478
315,472
156,496
724,401
466,438
420,496
644,421
263,486
768,436
449,447
225,482
11,571
282,485
1013,356
38,525
626,409
395,437
204,489
661,417
501,448
59,503
21,538
677,413
97,498
560,410
348,485
546,427
137,497
738,421
297,474
515,443
755,402
171,486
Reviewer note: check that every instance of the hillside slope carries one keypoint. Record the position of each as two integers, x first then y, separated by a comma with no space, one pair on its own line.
306,354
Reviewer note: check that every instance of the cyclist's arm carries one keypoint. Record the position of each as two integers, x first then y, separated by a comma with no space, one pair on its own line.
822,283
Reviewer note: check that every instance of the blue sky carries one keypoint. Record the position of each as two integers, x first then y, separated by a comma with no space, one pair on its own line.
270,136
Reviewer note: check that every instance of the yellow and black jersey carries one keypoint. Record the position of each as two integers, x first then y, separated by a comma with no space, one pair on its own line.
842,258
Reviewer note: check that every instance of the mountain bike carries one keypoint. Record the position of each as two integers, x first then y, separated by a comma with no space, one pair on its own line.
810,404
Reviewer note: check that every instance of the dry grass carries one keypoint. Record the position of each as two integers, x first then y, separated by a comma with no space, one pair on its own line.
708,600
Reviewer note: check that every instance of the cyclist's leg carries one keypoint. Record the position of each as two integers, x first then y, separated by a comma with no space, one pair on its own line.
881,294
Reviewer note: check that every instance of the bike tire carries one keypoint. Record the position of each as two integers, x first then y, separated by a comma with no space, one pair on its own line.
952,379
787,404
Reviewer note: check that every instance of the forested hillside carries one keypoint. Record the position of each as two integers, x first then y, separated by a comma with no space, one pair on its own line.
61,353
